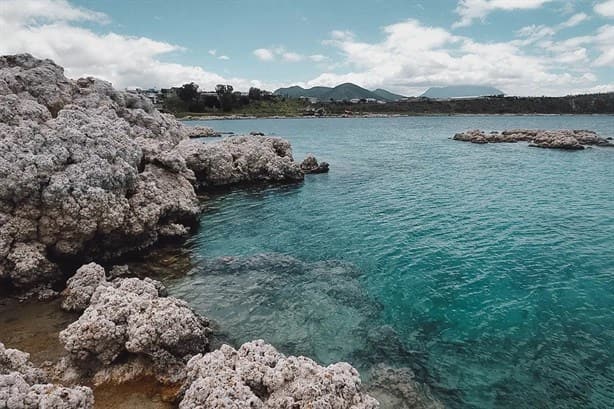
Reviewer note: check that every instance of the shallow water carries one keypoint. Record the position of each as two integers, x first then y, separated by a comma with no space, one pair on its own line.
487,269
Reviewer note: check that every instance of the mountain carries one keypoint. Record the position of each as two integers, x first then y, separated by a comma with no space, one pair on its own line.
297,92
461,91
341,92
387,95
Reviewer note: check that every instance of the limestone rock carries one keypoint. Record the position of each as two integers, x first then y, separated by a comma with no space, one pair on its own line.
257,376
130,315
80,287
22,386
85,171
395,388
558,139
202,132
311,165
241,159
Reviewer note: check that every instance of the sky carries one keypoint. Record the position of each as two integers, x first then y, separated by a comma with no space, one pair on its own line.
523,47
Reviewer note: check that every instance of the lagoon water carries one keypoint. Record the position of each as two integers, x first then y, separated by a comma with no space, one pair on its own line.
486,269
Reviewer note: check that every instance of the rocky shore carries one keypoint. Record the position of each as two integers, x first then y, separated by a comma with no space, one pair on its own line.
558,139
88,174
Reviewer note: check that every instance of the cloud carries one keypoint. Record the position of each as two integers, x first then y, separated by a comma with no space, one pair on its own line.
470,10
212,52
47,29
223,58
408,66
264,54
274,53
574,20
605,8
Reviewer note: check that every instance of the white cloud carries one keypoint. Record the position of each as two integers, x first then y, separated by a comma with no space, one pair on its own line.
46,29
574,20
292,57
212,52
264,54
605,8
470,10
318,58
408,66
223,58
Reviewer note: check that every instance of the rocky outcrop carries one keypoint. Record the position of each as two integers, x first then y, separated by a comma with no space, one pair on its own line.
310,165
24,386
396,388
257,376
241,159
202,132
91,173
130,315
559,139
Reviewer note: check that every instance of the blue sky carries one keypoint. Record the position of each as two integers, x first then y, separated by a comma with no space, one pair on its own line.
525,47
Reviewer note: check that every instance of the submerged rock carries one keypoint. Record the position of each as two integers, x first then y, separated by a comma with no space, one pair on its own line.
257,376
396,388
311,165
560,139
24,386
130,315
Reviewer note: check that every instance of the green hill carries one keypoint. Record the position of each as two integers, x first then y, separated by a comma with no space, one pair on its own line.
341,92
387,95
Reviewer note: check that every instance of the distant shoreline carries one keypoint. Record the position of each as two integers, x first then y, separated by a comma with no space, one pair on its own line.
190,118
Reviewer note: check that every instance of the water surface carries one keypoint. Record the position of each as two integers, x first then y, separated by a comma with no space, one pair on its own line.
486,269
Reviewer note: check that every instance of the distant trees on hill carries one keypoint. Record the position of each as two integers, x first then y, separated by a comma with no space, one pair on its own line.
188,98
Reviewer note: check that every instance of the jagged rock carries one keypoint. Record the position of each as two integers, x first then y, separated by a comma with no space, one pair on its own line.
22,386
311,165
241,159
88,172
257,376
80,287
561,139
395,388
202,132
131,315
256,133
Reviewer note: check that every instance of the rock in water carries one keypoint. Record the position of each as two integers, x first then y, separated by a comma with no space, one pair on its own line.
311,165
24,386
130,315
241,159
202,132
562,139
395,388
257,376
91,173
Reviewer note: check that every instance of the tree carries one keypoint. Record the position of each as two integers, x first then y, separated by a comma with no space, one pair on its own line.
188,92
224,95
255,94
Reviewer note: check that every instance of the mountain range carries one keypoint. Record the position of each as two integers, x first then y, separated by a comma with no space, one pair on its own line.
345,91
350,91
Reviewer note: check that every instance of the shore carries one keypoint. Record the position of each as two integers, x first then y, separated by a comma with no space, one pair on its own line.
74,208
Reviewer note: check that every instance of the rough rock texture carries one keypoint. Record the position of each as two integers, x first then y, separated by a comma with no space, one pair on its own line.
91,173
202,132
311,165
395,388
241,159
561,139
22,386
257,376
130,315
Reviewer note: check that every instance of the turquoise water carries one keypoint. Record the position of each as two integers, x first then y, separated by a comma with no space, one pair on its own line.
486,269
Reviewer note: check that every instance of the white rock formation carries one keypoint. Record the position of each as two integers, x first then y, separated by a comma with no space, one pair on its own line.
90,173
22,386
257,376
130,315
556,139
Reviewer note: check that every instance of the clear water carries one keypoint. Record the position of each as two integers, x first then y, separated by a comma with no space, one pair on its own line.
487,269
